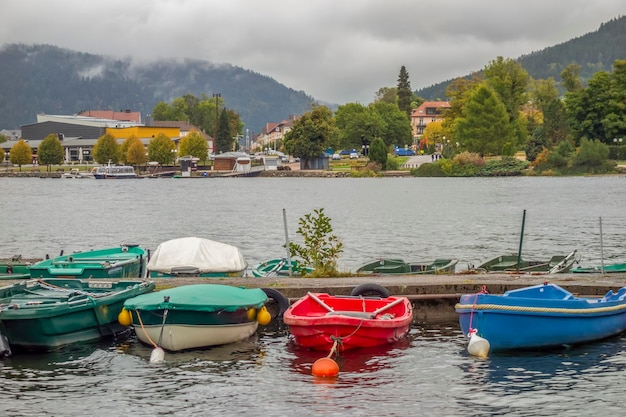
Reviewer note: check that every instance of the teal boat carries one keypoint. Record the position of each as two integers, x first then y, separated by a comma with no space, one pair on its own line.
196,257
196,316
16,267
279,267
125,261
400,267
618,268
46,314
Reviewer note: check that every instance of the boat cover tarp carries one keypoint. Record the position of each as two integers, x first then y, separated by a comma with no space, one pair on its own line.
199,297
194,252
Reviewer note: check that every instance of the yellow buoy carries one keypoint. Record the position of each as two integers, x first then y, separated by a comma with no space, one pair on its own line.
264,316
325,367
125,318
251,313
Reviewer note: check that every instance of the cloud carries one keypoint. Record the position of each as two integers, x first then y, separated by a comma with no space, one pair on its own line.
336,51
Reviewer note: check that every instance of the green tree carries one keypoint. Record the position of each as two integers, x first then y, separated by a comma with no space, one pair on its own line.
378,152
162,149
404,92
135,153
587,108
387,95
356,122
224,139
484,127
21,153
194,144
570,78
396,126
50,151
106,149
311,134
320,248
509,81
592,154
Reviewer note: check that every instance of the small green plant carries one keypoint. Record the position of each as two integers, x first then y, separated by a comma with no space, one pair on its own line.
321,248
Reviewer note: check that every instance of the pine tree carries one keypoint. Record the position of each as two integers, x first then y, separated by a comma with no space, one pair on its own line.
405,94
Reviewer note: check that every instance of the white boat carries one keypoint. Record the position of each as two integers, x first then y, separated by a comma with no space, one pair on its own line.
196,257
75,173
114,172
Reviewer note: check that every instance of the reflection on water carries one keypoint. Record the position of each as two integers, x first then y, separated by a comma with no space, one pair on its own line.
428,373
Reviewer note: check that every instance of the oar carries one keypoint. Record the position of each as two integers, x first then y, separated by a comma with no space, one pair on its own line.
385,307
320,302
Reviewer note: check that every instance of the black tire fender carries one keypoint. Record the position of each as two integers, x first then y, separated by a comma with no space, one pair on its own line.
370,290
281,301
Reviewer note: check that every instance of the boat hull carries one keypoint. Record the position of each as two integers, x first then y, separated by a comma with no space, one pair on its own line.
607,269
558,264
126,261
313,326
280,268
36,316
176,337
400,267
538,322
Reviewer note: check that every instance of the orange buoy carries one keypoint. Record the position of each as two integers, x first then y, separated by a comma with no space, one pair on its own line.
325,367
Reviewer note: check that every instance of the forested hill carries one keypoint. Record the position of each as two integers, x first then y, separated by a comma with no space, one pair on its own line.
47,79
594,51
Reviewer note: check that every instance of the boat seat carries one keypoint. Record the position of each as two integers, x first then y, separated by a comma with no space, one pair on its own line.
358,314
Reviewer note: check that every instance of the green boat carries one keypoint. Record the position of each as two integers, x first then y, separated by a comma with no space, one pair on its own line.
125,261
619,268
46,314
16,267
400,267
279,267
515,264
196,316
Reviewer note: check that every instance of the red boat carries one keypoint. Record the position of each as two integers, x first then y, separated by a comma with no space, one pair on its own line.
320,321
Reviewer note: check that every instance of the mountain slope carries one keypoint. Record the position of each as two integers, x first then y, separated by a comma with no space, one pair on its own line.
47,79
594,51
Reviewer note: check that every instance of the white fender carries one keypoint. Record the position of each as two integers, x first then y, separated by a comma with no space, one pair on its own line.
477,345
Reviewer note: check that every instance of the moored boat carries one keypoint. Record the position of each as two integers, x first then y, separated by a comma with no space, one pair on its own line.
515,264
114,172
599,269
124,261
16,267
199,315
281,267
388,266
540,316
196,257
320,321
75,173
46,314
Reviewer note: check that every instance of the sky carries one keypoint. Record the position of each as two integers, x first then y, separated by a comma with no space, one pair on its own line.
337,51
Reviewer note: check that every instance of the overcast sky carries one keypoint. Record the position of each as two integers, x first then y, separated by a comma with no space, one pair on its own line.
334,50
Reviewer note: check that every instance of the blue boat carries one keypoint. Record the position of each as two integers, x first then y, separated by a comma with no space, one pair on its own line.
540,317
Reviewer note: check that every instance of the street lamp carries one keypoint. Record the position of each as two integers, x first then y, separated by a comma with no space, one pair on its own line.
618,142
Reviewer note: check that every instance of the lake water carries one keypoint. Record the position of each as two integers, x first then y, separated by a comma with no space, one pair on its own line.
415,218
472,219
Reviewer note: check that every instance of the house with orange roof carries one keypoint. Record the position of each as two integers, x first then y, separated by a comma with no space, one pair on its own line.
427,112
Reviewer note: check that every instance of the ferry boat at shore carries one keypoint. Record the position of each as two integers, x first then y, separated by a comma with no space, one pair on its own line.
114,172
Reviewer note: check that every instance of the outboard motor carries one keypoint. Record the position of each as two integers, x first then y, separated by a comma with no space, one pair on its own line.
5,348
